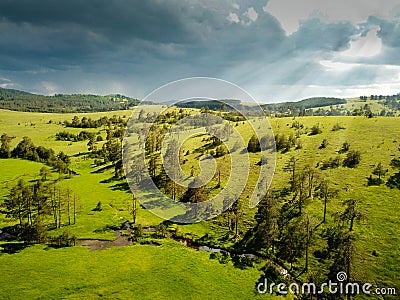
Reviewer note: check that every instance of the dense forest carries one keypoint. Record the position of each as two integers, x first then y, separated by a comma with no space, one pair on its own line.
305,104
23,101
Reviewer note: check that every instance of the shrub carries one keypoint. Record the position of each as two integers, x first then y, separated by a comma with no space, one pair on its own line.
324,144
331,163
254,144
352,159
345,147
315,130
337,127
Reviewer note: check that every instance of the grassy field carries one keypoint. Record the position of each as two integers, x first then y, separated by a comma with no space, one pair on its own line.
175,270
170,271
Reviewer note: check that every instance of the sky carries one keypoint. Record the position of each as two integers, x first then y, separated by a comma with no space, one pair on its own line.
277,50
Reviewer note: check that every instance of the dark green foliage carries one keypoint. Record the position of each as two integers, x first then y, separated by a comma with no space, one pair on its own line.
90,123
331,163
22,101
195,192
395,163
210,104
223,258
5,151
324,144
254,144
284,144
337,127
352,159
379,171
394,181
315,130
374,181
291,245
345,147
305,104
27,150
98,207
67,136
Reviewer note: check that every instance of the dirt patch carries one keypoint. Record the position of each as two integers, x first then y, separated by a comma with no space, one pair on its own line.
93,245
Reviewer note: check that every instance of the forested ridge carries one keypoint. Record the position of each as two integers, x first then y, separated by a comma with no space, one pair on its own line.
64,103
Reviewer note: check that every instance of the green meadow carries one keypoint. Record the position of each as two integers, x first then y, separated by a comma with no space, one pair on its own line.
173,270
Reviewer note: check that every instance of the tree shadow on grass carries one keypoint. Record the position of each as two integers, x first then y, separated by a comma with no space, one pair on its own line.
123,186
12,248
111,179
103,169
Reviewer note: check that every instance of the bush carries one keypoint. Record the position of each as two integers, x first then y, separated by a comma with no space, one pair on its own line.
254,144
337,127
394,181
345,147
352,159
315,130
331,163
324,144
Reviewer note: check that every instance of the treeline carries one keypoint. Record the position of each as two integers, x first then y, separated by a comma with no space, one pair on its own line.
85,122
224,105
82,136
39,207
304,104
27,150
61,103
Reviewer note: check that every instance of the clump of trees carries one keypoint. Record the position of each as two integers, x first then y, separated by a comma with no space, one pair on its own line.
39,207
67,136
394,180
27,150
315,129
284,231
352,159
85,122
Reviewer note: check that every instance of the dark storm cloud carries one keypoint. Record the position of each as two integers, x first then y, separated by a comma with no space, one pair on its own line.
316,35
117,19
105,45
389,31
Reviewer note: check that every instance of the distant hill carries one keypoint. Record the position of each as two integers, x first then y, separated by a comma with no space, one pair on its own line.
61,103
211,104
305,104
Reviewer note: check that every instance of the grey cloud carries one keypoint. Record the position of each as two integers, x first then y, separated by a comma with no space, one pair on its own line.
142,44
316,35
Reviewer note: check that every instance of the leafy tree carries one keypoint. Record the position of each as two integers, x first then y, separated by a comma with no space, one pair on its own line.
395,163
352,159
238,213
379,170
340,250
315,129
326,193
44,173
195,192
394,181
290,167
266,230
291,245
254,144
5,151
351,213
